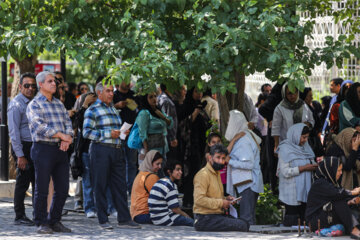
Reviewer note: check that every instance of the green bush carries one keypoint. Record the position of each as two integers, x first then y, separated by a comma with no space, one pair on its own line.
267,211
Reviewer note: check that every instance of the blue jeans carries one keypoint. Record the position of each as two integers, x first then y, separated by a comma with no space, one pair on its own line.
131,159
143,219
49,161
88,193
108,169
183,221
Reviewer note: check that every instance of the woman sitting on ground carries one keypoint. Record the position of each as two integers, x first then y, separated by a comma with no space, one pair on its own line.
328,203
294,170
142,185
345,147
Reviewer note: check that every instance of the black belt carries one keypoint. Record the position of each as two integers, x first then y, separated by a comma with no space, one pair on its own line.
50,143
113,145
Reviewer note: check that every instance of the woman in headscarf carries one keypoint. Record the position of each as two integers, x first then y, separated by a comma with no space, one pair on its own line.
314,138
334,111
291,110
328,203
294,170
244,160
142,185
153,125
325,103
345,147
194,128
349,110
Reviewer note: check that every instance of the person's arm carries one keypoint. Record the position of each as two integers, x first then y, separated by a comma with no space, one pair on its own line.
68,125
286,170
309,117
200,194
14,121
167,108
349,117
143,120
276,126
233,141
180,212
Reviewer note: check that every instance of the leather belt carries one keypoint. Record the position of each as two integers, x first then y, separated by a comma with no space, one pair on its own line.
50,143
113,145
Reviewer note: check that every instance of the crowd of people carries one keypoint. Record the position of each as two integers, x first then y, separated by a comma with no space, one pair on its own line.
159,146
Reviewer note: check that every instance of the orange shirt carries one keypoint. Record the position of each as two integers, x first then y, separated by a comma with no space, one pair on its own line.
139,196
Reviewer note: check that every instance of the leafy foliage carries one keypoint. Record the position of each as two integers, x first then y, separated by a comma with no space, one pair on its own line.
175,41
267,211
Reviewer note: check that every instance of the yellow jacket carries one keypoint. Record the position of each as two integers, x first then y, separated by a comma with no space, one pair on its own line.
208,191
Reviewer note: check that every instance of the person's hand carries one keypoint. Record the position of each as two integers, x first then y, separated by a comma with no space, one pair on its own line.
319,159
64,146
270,124
230,198
354,201
357,128
121,104
226,204
251,125
66,138
311,167
355,143
21,163
238,136
115,134
127,132
90,99
174,143
71,113
356,191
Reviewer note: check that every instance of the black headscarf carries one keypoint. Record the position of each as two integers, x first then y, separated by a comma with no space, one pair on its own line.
341,96
327,169
305,93
190,103
353,100
144,104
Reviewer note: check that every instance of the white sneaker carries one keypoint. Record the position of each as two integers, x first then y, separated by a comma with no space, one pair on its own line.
91,214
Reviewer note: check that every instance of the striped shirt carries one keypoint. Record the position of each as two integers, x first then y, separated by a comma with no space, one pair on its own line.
99,120
163,197
46,118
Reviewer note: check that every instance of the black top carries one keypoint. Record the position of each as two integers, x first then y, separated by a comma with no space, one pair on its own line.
126,114
348,163
267,109
69,101
322,192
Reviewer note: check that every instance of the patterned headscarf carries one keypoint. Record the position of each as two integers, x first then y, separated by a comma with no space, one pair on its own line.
343,140
327,169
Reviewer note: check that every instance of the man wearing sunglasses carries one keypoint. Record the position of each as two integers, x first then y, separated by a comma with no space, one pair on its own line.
20,136
51,133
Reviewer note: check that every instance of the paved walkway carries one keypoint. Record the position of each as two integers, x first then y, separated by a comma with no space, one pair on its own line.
84,228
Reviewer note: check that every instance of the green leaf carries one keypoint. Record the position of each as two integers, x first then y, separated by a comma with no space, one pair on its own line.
143,2
226,74
252,10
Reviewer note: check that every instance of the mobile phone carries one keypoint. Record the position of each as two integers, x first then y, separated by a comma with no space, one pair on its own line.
237,199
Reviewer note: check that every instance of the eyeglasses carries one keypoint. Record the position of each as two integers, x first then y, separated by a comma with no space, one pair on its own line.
28,85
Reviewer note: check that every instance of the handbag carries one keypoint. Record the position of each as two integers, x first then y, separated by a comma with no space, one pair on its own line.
240,177
155,141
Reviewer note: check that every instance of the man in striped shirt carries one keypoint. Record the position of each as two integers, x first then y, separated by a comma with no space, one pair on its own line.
102,125
163,200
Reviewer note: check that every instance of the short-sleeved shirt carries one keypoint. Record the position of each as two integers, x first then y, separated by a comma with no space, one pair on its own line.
139,195
163,197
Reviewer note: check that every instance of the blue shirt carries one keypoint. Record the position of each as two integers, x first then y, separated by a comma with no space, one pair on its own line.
18,123
99,120
163,197
46,118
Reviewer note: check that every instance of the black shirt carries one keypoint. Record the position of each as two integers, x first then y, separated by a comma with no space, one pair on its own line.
126,114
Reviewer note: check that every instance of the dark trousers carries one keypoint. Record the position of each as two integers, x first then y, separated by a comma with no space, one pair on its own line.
49,161
107,166
23,180
247,205
295,212
219,223
340,214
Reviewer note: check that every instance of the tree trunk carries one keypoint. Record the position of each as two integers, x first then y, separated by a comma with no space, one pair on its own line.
231,101
26,65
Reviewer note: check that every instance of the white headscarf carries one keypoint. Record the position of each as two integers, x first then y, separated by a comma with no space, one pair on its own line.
238,123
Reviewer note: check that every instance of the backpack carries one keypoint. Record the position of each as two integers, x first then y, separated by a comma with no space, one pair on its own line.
134,140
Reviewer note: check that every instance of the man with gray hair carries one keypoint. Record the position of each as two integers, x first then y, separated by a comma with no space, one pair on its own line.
51,133
102,124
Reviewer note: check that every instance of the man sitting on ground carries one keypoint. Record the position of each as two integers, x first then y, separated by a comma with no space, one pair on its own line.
209,201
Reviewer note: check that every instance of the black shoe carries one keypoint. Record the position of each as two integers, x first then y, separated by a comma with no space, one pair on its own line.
129,224
44,229
59,227
24,221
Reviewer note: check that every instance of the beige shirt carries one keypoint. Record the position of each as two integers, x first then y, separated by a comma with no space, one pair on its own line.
208,191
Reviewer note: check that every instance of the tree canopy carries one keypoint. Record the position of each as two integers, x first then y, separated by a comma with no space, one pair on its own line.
176,41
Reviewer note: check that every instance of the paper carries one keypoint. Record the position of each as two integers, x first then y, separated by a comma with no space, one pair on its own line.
233,212
126,126
131,104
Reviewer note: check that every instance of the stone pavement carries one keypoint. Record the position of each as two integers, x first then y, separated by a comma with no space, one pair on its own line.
84,228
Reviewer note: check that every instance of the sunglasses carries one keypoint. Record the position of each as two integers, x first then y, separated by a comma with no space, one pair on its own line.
28,85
